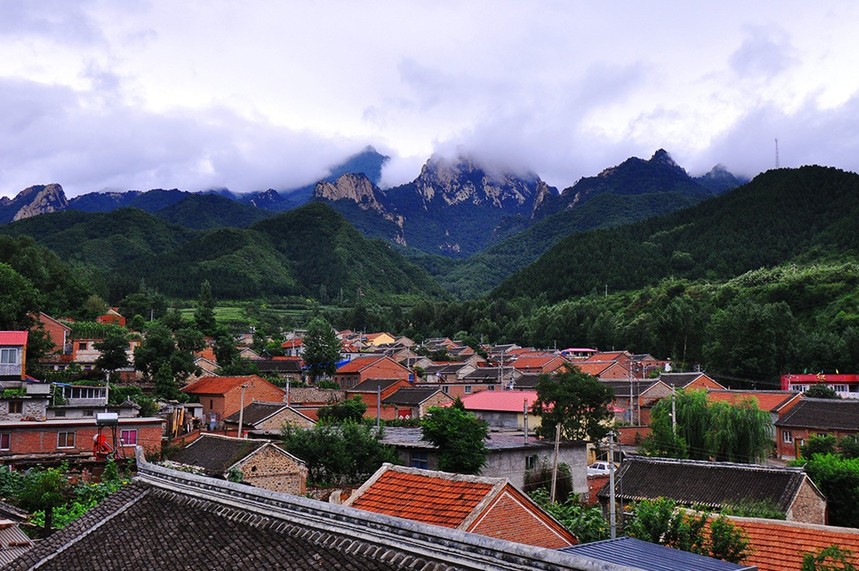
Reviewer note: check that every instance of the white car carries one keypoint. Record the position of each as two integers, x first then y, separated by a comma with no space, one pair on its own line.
599,469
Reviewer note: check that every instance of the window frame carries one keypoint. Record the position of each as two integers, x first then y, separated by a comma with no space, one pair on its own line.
15,407
5,441
13,351
63,436
787,436
419,459
130,431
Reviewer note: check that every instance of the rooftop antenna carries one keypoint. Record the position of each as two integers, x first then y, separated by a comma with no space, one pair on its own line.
776,155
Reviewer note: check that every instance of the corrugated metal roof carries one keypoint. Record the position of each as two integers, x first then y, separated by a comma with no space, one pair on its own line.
648,556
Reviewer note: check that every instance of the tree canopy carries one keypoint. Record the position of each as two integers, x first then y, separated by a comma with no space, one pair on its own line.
321,348
576,401
460,437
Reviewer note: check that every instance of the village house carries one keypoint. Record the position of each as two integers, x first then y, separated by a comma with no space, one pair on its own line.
604,370
690,381
223,396
475,504
260,463
815,417
360,369
715,485
373,392
111,317
480,379
504,409
509,455
266,419
846,385
13,355
414,402
217,524
531,364
634,399
59,333
446,372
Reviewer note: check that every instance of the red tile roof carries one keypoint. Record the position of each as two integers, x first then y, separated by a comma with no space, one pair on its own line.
435,498
358,364
594,369
769,400
499,401
538,362
219,385
208,353
16,338
292,343
779,545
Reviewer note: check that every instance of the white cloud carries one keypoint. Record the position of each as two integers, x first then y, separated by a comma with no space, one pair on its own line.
258,94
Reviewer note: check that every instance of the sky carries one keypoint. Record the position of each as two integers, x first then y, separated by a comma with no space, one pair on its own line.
255,94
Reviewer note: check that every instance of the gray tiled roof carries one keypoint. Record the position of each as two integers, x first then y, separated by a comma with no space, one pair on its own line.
257,412
822,414
651,556
411,396
711,484
170,520
215,454
621,388
373,385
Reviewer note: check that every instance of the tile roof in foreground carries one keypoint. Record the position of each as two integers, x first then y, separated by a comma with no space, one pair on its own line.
171,520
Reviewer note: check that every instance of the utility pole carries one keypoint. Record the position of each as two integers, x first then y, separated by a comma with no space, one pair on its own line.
673,410
242,409
555,462
612,518
379,406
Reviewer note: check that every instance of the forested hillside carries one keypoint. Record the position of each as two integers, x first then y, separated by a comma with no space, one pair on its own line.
802,215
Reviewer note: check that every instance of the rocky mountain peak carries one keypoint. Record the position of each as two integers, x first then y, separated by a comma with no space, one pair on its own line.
36,200
463,181
351,186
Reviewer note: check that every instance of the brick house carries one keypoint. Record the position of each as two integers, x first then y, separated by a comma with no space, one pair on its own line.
539,364
267,419
777,403
414,402
688,381
504,409
644,395
372,390
360,369
815,417
261,463
223,396
699,485
59,333
111,317
13,355
604,370
475,504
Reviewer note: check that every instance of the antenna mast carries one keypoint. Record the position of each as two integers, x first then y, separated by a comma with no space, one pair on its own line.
776,154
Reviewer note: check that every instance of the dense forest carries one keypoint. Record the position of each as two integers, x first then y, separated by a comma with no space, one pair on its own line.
757,282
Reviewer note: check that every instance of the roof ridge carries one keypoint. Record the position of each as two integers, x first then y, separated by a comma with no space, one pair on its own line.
714,464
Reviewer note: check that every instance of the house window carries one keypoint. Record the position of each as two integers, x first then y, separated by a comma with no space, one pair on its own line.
531,462
65,440
16,407
59,413
5,440
81,346
787,436
419,459
467,389
491,387
211,404
8,356
128,436
822,434
445,389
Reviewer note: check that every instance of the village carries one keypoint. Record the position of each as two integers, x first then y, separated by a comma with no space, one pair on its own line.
231,428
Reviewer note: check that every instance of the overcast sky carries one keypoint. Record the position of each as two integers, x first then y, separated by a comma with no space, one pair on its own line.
259,94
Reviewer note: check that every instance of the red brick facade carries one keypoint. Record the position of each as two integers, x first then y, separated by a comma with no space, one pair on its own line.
513,518
76,436
222,396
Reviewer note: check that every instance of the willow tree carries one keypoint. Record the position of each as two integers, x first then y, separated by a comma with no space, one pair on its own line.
740,432
702,430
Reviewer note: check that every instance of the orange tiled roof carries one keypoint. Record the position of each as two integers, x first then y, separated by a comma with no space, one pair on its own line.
770,400
207,353
358,364
595,369
779,545
219,385
424,498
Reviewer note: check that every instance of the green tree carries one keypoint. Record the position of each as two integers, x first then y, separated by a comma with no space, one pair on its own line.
160,348
662,521
204,314
586,523
338,454
224,347
579,402
112,352
321,348
831,558
460,437
838,479
18,297
44,490
736,433
825,444
821,391
349,410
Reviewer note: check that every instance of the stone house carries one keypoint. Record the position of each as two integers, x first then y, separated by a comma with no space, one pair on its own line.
475,504
715,485
267,419
261,463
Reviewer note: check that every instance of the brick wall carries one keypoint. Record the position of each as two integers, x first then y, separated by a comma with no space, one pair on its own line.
512,518
43,438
